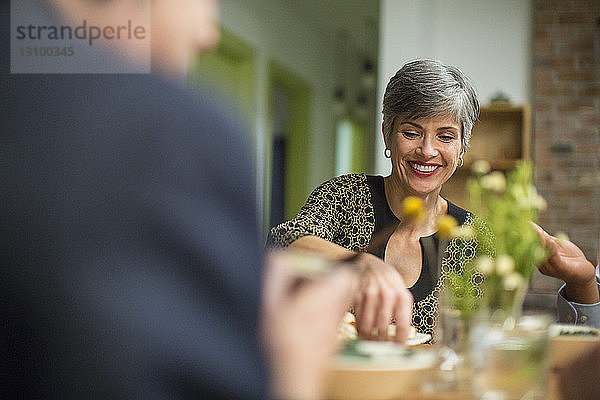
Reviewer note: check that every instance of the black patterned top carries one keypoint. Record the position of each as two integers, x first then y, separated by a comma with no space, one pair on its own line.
350,210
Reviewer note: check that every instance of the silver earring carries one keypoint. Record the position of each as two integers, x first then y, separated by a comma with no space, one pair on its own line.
387,153
461,161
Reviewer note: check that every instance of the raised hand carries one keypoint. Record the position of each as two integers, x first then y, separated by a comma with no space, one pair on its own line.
569,264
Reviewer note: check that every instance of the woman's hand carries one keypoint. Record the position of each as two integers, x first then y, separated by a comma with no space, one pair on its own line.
300,319
569,264
382,296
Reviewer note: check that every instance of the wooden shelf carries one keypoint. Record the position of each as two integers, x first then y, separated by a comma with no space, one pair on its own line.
501,136
501,165
502,133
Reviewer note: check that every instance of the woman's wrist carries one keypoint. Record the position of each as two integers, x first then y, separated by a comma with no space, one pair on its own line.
583,292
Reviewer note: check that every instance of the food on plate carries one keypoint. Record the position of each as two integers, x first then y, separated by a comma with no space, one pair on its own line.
347,329
412,331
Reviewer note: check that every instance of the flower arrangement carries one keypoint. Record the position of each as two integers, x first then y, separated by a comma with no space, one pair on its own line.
508,247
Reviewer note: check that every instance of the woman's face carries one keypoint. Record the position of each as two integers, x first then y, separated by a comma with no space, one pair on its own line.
425,152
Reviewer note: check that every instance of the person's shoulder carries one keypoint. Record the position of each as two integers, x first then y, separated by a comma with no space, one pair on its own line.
179,102
165,123
461,215
345,183
182,113
349,179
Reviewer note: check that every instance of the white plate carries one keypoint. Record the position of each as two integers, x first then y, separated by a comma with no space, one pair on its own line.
419,338
371,355
376,350
569,330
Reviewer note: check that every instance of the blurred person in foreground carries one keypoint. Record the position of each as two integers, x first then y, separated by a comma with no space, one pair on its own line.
130,253
429,109
578,299
579,379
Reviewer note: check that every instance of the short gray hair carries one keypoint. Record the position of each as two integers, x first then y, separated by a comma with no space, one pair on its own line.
428,88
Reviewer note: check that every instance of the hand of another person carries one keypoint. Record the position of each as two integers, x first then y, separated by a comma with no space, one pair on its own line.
569,264
382,296
300,319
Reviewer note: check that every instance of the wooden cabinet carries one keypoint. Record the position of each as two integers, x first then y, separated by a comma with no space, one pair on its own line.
502,135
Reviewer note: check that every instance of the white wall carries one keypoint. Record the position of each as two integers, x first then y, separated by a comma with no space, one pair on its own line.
280,31
490,40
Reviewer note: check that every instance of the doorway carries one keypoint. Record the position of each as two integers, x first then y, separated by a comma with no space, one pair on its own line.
287,159
228,71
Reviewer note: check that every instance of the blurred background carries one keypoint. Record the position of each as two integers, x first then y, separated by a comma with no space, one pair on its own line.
308,78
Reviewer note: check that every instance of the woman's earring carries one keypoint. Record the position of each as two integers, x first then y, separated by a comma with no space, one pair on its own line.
387,153
461,161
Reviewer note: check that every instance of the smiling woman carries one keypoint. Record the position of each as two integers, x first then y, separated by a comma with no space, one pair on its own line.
424,153
428,111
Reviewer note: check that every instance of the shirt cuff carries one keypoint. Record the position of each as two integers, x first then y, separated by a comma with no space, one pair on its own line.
577,313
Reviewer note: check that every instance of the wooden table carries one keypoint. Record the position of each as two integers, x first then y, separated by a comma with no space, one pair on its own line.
552,393
562,351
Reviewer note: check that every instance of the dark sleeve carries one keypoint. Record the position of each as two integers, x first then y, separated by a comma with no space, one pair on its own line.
130,247
329,210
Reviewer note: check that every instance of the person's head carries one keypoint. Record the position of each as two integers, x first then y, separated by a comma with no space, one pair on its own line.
427,88
178,29
181,29
428,112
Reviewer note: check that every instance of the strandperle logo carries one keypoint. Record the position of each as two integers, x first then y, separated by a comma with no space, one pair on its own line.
44,42
83,32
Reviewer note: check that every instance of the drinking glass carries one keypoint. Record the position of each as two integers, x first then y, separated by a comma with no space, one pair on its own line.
451,342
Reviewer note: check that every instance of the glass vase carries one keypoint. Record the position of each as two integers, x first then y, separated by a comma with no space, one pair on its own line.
502,306
509,358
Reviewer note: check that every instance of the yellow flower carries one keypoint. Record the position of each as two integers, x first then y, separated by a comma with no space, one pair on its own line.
446,225
480,167
504,265
540,203
561,236
485,265
513,281
413,209
494,181
464,232
527,198
540,253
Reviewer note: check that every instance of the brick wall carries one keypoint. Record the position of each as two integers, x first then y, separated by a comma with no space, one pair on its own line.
566,138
